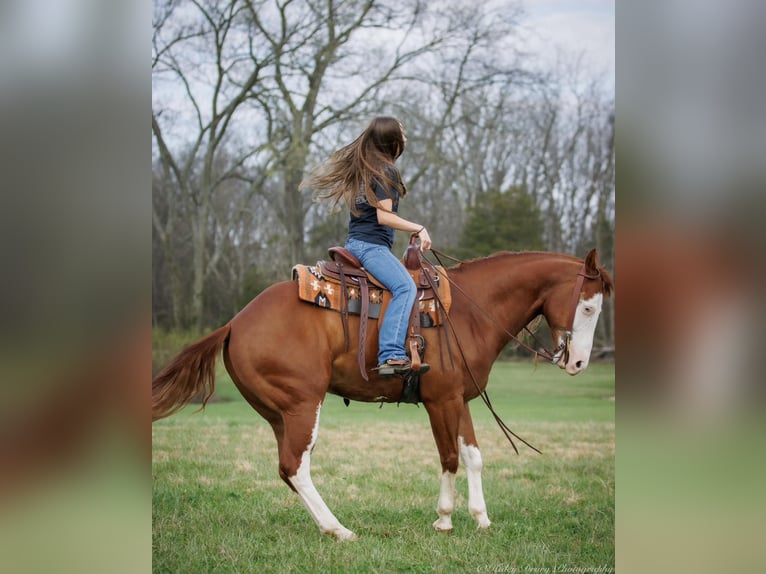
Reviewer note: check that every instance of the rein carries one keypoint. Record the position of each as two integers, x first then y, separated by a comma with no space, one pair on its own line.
544,353
509,434
550,356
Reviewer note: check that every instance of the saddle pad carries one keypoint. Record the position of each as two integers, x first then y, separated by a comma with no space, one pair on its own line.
322,291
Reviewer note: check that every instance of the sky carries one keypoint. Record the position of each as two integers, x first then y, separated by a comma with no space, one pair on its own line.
575,26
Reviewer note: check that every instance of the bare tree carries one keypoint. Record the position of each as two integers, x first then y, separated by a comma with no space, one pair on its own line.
291,70
204,50
360,47
453,114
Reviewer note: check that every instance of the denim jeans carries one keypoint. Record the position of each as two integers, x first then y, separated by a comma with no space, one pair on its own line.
378,260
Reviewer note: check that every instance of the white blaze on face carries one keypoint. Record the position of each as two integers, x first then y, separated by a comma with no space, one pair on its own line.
583,329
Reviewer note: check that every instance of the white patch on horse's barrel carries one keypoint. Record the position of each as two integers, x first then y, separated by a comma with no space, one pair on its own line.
583,329
311,498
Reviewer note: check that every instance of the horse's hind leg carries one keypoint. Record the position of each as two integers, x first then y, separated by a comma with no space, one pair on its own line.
471,457
299,435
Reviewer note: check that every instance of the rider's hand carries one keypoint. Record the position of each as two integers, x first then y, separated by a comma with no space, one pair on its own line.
425,239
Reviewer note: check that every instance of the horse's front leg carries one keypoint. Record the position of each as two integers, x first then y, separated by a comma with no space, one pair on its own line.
445,420
471,456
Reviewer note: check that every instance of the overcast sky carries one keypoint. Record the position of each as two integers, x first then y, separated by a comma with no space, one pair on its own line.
575,26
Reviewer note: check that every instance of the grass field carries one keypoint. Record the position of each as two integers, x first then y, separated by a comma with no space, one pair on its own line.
219,505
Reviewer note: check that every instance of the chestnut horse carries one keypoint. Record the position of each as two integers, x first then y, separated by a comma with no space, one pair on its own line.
285,355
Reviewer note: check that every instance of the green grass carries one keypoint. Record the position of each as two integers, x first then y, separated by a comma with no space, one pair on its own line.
219,505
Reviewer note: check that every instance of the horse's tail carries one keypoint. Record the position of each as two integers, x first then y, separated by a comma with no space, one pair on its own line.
190,373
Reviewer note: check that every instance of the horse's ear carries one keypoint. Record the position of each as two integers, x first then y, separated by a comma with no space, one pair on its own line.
591,262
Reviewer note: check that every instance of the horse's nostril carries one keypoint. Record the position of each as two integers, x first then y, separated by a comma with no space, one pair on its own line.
578,364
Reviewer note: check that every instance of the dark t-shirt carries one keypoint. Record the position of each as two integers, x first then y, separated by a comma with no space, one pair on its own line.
365,226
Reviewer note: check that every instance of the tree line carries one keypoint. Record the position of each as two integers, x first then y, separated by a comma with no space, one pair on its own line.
250,94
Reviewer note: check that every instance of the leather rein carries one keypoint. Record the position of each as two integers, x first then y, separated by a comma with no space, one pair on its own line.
548,355
541,351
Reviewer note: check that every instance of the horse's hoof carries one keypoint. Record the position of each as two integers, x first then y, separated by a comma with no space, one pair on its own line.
443,525
482,522
343,535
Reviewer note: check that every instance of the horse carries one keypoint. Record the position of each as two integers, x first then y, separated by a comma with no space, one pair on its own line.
286,355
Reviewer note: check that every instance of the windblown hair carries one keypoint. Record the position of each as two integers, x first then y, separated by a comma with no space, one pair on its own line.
354,168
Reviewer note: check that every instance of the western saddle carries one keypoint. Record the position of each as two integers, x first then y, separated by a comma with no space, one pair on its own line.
348,270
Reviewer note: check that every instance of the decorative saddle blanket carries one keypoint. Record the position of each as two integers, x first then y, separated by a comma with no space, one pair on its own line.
317,287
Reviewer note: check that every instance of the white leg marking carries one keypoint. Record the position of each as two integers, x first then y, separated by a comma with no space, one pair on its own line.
471,457
446,502
310,497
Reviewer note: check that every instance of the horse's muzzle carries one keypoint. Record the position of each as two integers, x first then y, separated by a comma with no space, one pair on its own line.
574,367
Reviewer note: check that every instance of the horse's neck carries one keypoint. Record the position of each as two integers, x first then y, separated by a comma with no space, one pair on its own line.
508,290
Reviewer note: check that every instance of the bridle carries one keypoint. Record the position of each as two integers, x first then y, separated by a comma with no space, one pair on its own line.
564,345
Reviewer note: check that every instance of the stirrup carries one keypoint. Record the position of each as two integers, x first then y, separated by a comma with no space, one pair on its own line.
400,367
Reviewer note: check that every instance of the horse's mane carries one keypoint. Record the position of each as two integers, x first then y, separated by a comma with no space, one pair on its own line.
500,255
607,285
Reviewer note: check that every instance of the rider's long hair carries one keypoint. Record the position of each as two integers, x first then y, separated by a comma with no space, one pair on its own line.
352,169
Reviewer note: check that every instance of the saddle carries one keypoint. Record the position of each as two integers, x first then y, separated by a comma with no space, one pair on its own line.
344,285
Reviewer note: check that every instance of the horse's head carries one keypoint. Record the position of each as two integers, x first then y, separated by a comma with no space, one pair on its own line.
573,310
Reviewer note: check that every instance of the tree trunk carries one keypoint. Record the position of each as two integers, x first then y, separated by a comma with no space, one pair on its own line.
199,237
295,212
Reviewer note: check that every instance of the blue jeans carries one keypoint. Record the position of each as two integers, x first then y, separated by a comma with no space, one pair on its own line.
378,260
